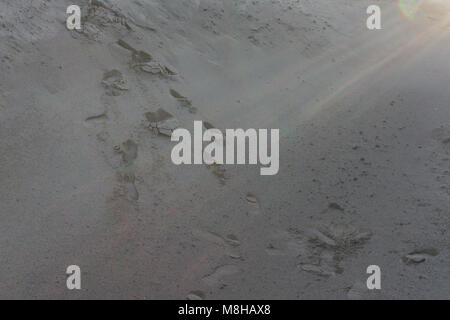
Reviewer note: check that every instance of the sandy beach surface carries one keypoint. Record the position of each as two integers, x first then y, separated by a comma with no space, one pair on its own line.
364,120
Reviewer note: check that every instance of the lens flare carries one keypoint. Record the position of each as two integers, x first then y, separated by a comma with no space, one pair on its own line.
409,7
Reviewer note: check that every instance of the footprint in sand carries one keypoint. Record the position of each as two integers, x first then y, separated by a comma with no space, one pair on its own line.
129,152
228,243
215,238
114,83
217,277
208,236
162,122
185,102
285,244
420,256
96,120
143,61
232,240
255,204
128,186
131,191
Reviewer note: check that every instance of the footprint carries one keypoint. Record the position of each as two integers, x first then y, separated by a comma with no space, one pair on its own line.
215,278
127,187
215,238
322,239
145,62
255,203
125,45
162,122
131,191
208,236
140,58
318,270
235,255
157,68
129,152
179,97
114,83
420,256
185,102
228,243
96,120
291,248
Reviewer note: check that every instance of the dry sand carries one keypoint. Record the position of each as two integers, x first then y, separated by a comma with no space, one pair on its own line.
364,119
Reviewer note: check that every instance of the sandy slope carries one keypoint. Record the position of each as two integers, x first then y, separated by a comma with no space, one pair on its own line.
364,179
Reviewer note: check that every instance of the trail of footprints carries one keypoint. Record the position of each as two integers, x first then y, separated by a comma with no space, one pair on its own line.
114,83
162,123
319,251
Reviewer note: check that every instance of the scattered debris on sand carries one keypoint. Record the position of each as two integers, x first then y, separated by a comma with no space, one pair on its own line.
131,190
318,270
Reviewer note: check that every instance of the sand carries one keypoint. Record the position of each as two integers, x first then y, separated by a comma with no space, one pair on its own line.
364,119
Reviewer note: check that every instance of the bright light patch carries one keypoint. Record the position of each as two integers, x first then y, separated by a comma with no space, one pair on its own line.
409,7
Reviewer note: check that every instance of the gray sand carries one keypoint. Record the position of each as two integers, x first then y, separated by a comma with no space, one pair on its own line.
364,119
